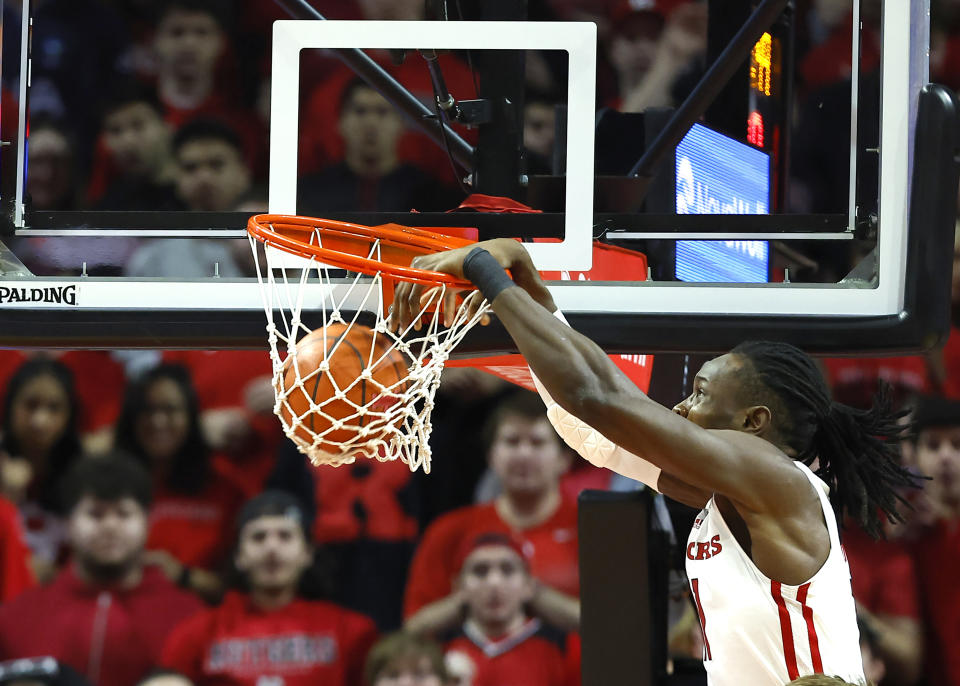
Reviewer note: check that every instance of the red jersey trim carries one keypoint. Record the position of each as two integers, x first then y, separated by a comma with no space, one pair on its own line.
695,584
811,629
786,632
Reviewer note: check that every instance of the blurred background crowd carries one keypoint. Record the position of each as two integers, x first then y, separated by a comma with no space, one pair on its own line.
155,524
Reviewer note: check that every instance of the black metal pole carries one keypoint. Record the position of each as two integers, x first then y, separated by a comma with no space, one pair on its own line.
789,42
500,141
371,72
710,85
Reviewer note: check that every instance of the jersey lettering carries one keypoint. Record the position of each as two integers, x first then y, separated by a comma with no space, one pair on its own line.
704,550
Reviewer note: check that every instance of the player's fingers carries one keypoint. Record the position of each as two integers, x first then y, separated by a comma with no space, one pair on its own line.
474,301
449,307
428,296
413,308
401,311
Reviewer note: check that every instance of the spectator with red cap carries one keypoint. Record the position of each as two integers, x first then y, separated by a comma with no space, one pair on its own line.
528,457
494,633
194,507
268,630
108,613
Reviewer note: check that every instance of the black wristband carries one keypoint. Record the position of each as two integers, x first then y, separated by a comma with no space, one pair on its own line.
483,271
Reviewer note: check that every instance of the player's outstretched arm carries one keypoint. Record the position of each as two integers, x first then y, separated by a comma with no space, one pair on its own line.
583,380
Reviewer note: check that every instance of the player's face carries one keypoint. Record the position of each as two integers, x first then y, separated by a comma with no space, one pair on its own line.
107,536
273,553
212,175
527,455
409,670
164,422
496,584
937,455
188,43
369,125
39,416
137,138
713,402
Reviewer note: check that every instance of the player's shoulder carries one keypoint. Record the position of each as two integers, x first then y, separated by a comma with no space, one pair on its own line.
751,446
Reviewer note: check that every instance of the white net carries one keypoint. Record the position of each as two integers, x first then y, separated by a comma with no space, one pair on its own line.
349,387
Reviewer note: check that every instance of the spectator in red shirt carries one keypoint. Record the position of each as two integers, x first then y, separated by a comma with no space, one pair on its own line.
884,581
191,523
403,659
935,542
529,459
196,70
107,614
371,177
38,444
136,142
364,517
235,391
495,634
270,634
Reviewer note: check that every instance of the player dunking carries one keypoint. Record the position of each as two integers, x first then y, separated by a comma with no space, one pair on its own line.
767,573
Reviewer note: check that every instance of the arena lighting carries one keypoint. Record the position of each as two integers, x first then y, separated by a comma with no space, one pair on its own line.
761,65
755,129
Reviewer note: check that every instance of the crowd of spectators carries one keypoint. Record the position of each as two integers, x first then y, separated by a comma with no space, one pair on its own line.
155,525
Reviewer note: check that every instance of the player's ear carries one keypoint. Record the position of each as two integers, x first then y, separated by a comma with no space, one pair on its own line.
757,419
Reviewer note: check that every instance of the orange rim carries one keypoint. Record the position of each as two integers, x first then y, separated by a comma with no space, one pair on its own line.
347,245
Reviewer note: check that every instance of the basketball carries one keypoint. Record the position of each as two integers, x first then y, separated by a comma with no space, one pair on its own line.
348,349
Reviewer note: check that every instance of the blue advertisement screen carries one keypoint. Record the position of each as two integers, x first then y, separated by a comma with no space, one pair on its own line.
718,175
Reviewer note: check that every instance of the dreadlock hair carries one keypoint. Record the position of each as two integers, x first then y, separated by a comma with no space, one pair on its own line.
857,451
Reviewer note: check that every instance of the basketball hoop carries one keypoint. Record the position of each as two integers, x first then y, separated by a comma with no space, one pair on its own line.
387,420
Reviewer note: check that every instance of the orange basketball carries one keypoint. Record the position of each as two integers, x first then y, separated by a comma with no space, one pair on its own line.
348,350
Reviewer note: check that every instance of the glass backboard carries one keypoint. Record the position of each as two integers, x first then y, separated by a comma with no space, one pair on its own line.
77,274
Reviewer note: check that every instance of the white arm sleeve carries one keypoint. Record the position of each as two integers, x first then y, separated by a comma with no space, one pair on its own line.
593,446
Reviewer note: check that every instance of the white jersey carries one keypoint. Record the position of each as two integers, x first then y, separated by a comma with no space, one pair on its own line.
760,632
